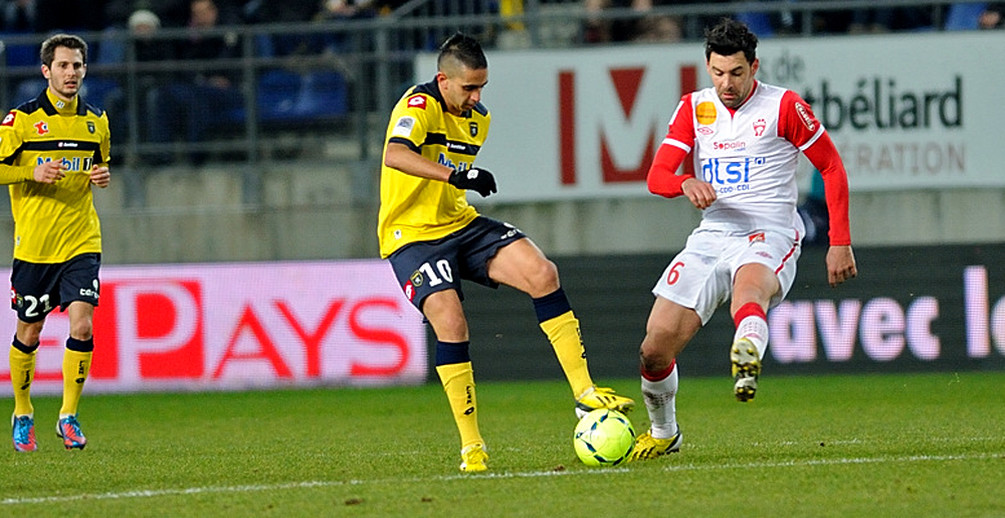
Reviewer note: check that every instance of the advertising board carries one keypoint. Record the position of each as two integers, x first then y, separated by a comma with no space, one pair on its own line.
240,325
585,123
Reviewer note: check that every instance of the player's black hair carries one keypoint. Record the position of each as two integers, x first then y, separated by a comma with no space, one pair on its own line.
465,49
729,37
48,51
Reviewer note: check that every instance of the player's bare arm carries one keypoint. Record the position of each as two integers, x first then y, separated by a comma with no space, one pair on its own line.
701,193
840,264
48,172
400,157
100,176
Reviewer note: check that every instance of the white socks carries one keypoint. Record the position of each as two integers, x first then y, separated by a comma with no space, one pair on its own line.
661,402
755,329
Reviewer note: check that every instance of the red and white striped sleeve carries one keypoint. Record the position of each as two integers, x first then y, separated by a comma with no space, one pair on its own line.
797,124
662,178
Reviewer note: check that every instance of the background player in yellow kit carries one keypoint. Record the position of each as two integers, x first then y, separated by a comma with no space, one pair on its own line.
52,150
433,238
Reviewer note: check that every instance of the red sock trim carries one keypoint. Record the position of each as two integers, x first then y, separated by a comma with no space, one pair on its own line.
661,375
749,309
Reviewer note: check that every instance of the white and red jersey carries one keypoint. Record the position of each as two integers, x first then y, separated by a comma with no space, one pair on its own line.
750,155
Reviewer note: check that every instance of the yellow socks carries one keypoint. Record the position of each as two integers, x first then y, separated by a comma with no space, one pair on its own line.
459,383
566,339
22,373
76,366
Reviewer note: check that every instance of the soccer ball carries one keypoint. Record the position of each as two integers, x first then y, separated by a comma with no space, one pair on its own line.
604,438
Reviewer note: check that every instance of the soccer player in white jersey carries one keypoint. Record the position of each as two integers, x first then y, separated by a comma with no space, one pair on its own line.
744,137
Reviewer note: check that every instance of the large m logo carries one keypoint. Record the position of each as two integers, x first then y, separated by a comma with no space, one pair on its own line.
618,132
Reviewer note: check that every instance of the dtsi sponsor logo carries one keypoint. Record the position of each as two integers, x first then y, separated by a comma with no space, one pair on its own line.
722,172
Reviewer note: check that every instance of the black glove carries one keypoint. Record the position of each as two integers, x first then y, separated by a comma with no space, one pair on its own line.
476,179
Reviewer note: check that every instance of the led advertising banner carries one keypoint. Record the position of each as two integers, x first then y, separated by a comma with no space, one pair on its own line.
929,308
236,326
268,325
912,308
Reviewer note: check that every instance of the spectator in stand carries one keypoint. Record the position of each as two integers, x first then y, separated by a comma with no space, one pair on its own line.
172,13
263,11
833,21
992,17
199,97
20,16
876,20
649,28
282,44
656,27
142,24
595,28
889,19
337,10
347,9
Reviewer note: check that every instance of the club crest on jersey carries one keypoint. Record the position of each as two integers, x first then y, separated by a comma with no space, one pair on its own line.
41,127
473,128
416,278
759,126
90,126
9,119
417,101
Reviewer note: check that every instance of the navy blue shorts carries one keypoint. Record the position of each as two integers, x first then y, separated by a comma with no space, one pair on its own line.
37,288
425,267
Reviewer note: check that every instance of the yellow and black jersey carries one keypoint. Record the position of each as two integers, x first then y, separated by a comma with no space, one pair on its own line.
53,222
420,209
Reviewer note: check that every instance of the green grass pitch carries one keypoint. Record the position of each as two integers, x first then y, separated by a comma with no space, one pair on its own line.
869,445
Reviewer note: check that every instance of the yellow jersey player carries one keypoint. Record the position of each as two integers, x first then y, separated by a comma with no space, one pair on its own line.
433,238
52,150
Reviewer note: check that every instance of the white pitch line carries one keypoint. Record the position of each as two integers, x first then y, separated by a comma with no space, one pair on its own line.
150,493
837,462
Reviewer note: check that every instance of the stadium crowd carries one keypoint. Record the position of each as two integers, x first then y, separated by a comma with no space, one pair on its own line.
25,16
645,26
45,16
